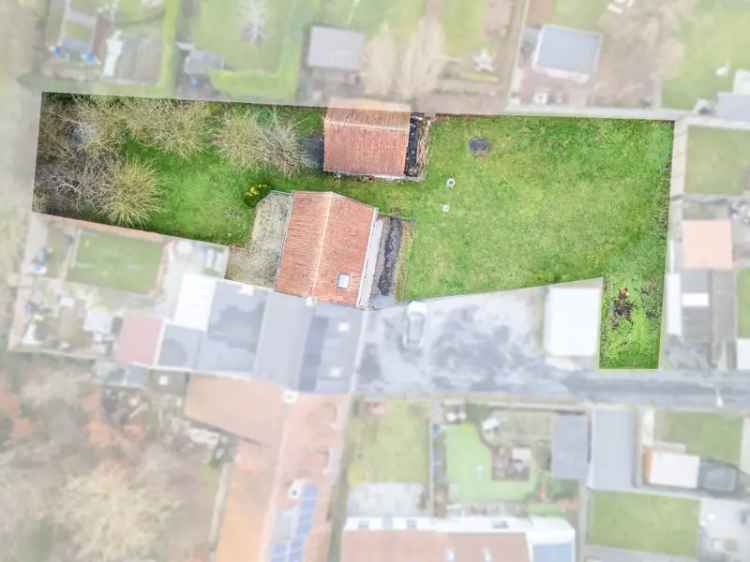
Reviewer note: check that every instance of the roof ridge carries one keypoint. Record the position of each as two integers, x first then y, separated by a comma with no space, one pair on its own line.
321,242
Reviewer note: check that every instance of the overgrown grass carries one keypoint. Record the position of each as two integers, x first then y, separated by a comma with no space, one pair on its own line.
647,523
743,300
707,435
554,200
718,161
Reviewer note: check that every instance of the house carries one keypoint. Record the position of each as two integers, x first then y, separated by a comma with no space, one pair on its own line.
230,329
707,244
613,449
285,467
570,447
491,539
330,249
566,53
366,138
335,49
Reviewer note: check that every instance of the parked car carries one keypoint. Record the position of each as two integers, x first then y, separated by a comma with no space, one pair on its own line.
416,322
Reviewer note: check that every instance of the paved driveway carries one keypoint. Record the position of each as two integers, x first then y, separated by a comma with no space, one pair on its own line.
723,529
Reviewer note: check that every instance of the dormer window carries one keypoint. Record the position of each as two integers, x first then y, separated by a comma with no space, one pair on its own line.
343,280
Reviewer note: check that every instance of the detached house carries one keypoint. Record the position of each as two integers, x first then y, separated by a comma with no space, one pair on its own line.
367,138
330,250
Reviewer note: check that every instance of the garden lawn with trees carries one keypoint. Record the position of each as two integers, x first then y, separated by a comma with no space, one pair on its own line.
553,200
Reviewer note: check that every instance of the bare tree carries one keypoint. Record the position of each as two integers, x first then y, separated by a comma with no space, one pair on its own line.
380,64
283,150
114,514
180,128
423,61
240,140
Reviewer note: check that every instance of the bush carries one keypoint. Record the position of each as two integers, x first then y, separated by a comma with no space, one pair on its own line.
99,125
283,149
240,140
255,193
175,127
132,195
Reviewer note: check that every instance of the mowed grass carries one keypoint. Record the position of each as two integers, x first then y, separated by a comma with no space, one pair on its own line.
554,200
647,523
718,161
706,435
116,262
469,470
743,298
393,447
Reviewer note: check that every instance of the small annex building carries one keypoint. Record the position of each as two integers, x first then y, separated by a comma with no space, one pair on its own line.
366,138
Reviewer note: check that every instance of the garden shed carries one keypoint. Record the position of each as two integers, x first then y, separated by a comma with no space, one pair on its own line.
335,49
366,138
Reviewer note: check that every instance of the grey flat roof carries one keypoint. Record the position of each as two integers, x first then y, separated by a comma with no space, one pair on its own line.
329,354
286,323
570,50
333,48
613,449
733,106
570,447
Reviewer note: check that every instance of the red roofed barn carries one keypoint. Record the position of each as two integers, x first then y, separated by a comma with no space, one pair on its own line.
329,250
366,140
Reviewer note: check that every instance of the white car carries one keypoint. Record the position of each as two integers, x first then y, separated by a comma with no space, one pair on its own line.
415,325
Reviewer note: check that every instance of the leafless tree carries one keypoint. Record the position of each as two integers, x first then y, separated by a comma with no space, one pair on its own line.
240,140
283,150
176,127
423,61
380,64
114,514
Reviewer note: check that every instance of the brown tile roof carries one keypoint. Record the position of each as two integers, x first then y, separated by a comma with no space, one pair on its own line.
364,545
138,341
328,234
289,440
366,138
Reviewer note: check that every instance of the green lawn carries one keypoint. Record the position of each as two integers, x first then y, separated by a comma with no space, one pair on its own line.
743,303
393,447
469,470
400,16
268,69
580,14
468,37
116,262
707,435
718,161
555,200
646,523
714,36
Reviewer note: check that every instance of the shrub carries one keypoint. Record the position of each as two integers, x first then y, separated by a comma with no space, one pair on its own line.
175,127
99,125
255,193
283,149
132,195
240,140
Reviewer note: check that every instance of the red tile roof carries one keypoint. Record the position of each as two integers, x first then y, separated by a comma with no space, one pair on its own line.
285,439
366,138
364,545
327,235
138,341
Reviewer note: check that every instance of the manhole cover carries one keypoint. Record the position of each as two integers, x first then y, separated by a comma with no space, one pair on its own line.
479,146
